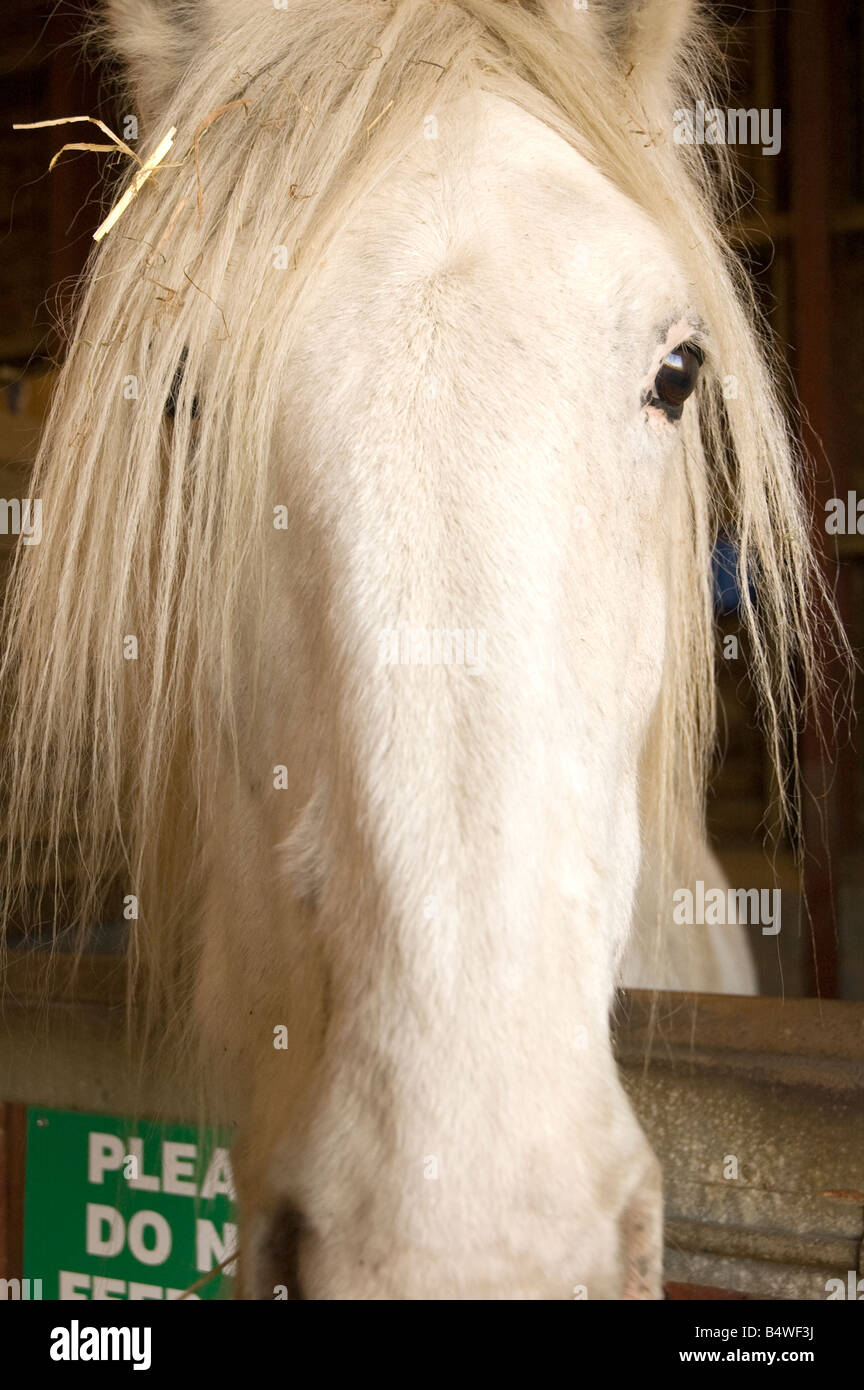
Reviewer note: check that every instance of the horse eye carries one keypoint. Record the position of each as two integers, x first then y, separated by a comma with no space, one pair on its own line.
677,378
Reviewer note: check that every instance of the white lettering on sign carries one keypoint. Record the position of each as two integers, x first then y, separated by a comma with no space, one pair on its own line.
98,1240
145,1182
158,1251
107,1154
110,1241
75,1287
210,1248
178,1168
219,1181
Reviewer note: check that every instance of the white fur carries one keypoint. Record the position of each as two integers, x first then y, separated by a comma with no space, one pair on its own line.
510,800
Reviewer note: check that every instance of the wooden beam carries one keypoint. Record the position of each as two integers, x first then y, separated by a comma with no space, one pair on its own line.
777,1086
755,1108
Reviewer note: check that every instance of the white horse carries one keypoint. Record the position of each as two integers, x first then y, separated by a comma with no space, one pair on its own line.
379,663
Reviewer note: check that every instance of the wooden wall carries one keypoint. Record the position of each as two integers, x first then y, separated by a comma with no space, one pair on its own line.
802,236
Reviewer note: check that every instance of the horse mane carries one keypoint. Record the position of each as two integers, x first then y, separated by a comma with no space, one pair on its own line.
152,526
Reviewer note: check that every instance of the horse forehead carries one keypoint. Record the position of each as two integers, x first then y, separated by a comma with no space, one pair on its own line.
491,179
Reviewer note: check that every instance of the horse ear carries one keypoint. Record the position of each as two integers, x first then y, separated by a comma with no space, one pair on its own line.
654,36
649,37
155,40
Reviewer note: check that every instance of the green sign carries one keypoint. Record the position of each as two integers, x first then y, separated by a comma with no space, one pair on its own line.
125,1209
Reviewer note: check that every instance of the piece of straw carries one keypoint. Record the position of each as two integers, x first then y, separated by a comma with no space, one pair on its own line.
137,183
206,1278
378,118
140,178
73,120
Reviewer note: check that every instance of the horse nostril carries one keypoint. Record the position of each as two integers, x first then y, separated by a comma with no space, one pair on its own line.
280,1255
